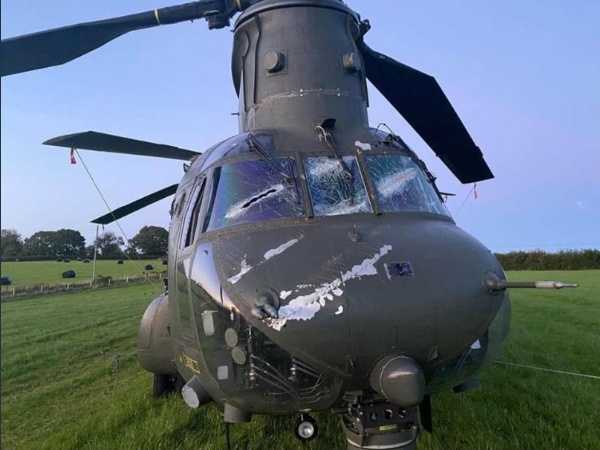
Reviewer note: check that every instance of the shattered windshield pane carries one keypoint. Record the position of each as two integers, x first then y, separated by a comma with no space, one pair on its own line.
400,185
255,191
336,188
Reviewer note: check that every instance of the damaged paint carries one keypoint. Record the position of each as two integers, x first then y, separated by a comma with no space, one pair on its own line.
340,310
364,146
305,307
244,269
279,250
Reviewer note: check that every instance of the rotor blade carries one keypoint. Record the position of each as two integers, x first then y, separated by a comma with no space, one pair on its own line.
420,100
102,142
60,45
136,205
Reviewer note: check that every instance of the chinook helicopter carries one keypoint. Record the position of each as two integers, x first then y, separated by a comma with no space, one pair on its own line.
313,265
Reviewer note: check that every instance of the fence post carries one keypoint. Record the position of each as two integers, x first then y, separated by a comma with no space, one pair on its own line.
14,291
95,254
127,279
108,282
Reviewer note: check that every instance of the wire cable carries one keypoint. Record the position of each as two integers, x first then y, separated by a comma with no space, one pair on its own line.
110,211
544,369
464,201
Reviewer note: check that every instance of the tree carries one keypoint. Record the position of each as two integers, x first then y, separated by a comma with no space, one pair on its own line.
69,243
151,241
131,252
109,245
11,244
40,244
52,244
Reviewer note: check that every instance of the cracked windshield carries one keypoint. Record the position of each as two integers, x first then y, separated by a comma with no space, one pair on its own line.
336,188
254,191
400,185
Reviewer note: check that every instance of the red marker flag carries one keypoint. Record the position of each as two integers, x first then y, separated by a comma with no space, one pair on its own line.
73,159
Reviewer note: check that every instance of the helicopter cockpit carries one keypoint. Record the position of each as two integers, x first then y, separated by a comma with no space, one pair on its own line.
247,189
260,204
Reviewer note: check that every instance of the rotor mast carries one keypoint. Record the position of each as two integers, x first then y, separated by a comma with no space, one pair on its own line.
296,65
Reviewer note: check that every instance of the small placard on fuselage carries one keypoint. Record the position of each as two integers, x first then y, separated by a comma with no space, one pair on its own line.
399,269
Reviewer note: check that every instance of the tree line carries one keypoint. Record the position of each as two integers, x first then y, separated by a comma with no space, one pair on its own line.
540,260
150,241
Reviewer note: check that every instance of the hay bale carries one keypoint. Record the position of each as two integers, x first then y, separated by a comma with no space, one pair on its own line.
5,281
86,261
66,260
120,261
149,267
69,274
58,259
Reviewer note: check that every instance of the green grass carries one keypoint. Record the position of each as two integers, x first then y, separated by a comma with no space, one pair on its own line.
70,380
30,273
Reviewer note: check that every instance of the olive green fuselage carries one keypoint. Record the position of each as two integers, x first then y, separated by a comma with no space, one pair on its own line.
343,290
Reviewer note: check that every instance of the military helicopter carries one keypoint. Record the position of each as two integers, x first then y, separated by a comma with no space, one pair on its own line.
313,265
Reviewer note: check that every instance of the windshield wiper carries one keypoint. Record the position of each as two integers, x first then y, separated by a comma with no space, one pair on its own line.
327,137
275,164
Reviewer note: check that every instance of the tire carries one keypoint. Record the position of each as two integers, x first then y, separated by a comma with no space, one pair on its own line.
162,385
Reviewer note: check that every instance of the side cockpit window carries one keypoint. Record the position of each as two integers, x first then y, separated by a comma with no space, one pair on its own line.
400,185
336,186
195,215
255,191
192,216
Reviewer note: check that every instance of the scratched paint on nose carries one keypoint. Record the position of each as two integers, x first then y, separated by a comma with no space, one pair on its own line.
244,269
274,252
279,250
305,307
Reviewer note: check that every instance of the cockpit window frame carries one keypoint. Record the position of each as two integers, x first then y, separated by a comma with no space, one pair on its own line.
214,176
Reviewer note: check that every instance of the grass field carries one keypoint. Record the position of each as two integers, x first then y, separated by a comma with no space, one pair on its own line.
70,380
29,273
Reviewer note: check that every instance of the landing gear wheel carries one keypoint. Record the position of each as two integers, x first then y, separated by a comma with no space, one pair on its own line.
306,428
164,385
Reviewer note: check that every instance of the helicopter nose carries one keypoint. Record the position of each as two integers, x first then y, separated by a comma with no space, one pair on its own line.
419,293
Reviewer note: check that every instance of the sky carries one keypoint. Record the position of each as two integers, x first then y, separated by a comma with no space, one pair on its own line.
523,75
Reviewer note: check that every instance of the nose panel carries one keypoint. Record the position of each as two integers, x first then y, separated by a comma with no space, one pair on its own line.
403,287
